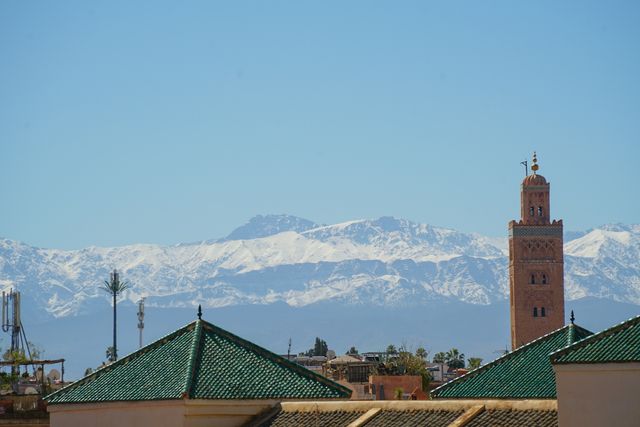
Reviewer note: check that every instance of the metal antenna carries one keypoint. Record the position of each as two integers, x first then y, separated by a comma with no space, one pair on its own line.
526,168
141,318
12,321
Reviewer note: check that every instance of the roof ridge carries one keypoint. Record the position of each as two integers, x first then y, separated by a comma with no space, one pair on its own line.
110,366
276,358
195,351
504,357
594,337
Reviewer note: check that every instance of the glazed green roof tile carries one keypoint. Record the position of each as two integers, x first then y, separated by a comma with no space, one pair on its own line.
200,361
618,344
525,373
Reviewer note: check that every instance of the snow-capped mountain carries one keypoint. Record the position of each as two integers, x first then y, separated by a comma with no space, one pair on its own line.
604,263
268,225
280,258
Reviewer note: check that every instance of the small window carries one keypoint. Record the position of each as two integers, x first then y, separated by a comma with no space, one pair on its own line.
539,210
542,313
532,280
544,279
531,211
535,311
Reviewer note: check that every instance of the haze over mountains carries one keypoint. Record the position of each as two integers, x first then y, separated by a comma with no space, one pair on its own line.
285,259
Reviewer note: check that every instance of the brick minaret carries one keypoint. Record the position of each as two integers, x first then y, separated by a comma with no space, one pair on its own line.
536,266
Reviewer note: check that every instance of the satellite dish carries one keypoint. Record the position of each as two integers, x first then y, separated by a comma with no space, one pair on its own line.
53,375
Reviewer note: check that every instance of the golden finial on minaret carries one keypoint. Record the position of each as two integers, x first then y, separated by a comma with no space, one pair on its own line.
535,166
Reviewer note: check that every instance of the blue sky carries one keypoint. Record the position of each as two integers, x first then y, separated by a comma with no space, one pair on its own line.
167,122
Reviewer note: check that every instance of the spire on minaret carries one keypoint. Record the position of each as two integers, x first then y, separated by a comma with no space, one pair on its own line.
199,312
572,318
535,166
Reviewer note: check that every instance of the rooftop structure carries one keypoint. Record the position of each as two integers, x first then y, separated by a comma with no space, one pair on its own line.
598,378
618,344
199,361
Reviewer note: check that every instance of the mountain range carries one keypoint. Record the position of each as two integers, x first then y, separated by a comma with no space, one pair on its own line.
282,258
366,283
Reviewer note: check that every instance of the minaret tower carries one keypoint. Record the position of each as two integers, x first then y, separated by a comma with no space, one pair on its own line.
536,265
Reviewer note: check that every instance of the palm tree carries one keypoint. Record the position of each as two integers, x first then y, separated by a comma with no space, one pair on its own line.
439,357
474,362
114,287
422,353
454,359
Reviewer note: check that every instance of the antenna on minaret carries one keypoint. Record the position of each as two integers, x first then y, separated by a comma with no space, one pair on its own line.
572,318
199,312
289,350
141,318
526,168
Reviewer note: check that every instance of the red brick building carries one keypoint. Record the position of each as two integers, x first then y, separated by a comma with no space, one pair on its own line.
536,264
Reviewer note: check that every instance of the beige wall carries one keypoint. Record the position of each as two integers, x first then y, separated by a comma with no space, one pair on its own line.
164,413
598,394
407,383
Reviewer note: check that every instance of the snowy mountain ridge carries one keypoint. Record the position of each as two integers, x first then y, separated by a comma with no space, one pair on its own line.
281,258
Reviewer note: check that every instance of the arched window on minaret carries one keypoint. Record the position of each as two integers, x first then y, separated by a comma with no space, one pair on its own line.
540,211
542,313
532,280
544,279
535,311
531,211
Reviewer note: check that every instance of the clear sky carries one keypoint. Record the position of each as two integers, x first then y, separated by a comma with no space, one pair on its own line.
167,122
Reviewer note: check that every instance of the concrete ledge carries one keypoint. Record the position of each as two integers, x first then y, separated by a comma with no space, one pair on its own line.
191,406
419,405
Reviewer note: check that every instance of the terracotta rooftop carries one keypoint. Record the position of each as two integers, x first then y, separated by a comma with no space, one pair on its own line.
438,413
534,179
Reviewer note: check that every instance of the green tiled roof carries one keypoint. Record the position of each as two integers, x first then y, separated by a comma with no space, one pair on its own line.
618,344
200,361
525,373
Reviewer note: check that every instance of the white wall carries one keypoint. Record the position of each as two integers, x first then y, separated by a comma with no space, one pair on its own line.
598,394
163,413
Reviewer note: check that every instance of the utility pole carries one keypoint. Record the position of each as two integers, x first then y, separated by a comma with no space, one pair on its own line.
141,318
